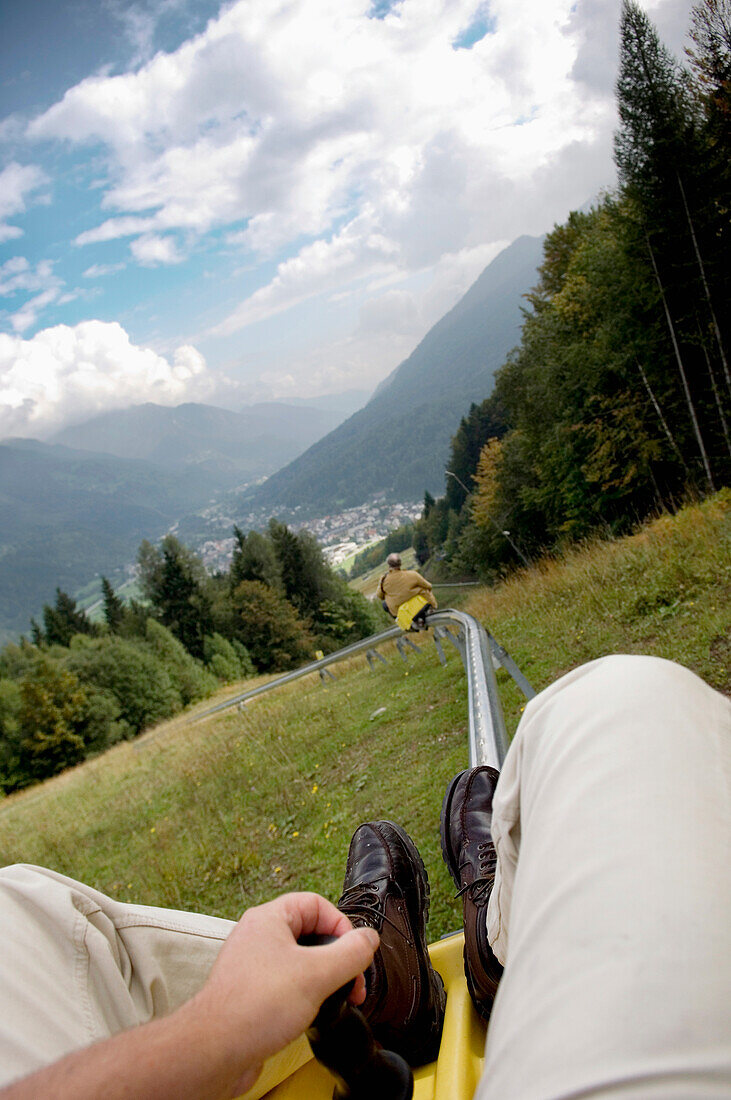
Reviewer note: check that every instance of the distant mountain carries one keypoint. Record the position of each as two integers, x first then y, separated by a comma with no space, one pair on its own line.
399,442
233,446
67,515
345,403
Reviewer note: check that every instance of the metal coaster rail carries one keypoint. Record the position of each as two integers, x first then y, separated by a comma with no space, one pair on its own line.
480,653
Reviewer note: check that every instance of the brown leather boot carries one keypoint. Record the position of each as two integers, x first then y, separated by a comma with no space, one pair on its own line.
469,854
386,887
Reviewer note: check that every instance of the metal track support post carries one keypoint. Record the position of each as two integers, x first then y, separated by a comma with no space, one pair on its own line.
372,655
402,644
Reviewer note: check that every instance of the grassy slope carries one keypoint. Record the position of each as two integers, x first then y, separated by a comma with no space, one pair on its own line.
226,812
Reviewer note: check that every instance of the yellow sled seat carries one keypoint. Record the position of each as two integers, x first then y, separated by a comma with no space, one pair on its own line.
408,611
293,1074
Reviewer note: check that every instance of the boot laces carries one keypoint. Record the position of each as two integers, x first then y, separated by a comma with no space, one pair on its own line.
363,902
478,891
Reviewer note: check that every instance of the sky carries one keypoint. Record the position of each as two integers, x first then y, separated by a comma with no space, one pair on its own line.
269,199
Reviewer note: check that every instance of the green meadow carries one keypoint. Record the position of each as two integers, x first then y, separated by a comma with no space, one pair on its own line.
219,813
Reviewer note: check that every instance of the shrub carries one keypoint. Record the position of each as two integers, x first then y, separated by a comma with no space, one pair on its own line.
47,731
347,619
136,678
223,659
189,677
270,628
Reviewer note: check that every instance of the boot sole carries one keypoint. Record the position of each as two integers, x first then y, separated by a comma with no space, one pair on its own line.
453,868
447,853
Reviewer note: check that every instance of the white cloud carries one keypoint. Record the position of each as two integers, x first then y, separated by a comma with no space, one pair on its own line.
354,253
291,114
391,320
17,276
17,182
98,271
344,149
25,317
69,373
152,250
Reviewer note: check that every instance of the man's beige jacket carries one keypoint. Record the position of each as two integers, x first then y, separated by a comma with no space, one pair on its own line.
399,585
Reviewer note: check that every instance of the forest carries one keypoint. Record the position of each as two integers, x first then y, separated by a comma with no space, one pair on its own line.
77,687
616,405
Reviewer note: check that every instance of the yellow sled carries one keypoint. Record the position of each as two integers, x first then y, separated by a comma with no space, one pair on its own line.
409,610
293,1074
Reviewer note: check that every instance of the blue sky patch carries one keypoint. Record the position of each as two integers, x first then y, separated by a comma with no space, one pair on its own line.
482,24
381,8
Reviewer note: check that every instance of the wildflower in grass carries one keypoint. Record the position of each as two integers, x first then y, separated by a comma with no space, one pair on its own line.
295,833
277,870
314,788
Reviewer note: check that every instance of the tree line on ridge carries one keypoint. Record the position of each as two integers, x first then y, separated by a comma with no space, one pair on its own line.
617,402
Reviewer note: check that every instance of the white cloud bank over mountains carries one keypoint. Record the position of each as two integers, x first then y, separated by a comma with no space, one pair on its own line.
64,374
337,151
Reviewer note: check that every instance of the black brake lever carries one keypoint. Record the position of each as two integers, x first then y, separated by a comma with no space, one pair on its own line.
342,1040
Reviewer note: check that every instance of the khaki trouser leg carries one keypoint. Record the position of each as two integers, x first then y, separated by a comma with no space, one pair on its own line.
76,966
612,905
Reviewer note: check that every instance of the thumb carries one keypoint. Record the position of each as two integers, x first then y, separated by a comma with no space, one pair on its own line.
347,957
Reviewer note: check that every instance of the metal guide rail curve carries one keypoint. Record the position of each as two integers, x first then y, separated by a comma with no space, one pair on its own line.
480,653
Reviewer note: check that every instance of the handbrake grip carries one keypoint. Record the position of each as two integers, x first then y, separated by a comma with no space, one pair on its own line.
342,1041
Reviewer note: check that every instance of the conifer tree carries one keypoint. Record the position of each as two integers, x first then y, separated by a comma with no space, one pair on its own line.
657,149
62,621
710,57
306,579
254,559
174,580
183,605
113,606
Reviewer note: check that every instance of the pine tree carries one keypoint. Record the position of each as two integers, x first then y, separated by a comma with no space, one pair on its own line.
113,606
306,579
710,58
660,156
62,621
183,605
174,580
254,559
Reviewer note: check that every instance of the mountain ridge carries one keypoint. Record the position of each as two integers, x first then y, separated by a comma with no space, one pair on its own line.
379,449
67,515
237,446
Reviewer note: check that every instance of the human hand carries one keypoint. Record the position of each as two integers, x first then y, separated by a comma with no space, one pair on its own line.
265,988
